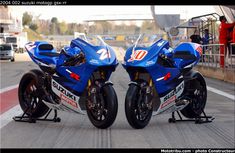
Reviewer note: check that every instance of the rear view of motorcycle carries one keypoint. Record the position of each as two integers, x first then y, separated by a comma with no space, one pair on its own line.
163,81
74,80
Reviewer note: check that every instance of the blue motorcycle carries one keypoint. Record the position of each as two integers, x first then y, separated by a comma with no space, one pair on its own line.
163,80
76,79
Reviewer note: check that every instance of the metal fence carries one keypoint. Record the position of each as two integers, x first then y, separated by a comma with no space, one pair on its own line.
211,56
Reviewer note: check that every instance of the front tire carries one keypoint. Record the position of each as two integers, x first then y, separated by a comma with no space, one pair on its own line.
104,112
29,95
137,116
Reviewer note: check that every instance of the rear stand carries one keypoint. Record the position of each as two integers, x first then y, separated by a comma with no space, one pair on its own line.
30,119
198,120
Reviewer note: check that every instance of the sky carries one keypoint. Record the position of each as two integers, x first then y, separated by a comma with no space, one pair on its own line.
77,13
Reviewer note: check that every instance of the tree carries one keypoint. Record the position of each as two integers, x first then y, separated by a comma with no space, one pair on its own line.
148,27
33,26
27,18
54,20
54,26
63,27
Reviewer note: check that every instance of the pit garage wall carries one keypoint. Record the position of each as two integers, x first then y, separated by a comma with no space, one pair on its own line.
227,75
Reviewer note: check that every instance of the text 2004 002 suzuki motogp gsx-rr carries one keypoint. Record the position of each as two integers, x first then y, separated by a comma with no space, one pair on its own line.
74,80
162,81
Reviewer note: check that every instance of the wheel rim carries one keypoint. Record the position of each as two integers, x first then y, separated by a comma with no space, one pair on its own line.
30,96
141,110
99,110
199,99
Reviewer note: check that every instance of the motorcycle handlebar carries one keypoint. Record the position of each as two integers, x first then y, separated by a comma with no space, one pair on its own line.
74,59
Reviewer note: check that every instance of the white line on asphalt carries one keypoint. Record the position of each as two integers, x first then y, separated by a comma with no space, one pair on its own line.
219,92
6,117
8,88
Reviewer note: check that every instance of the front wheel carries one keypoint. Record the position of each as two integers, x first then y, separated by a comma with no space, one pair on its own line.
102,106
137,113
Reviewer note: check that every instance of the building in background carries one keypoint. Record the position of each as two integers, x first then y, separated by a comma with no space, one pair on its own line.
11,28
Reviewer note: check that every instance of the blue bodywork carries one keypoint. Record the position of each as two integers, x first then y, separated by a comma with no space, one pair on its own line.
156,70
93,62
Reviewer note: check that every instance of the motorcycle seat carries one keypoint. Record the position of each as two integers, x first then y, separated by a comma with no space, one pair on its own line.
47,50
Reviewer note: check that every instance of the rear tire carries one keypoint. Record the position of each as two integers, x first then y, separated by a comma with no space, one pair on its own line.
134,117
29,95
109,109
195,108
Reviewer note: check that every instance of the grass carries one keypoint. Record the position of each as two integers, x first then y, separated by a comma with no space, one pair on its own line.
32,35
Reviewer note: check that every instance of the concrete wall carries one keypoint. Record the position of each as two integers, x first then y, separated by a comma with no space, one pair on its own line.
227,75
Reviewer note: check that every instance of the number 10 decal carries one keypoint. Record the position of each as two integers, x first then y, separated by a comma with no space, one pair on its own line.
138,55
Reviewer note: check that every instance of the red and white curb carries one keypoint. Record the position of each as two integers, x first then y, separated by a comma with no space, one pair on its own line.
8,115
9,105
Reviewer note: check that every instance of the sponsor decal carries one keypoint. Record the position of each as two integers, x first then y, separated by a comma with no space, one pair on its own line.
30,46
138,55
150,62
64,91
73,75
167,102
160,43
69,101
174,92
167,76
94,61
104,54
198,49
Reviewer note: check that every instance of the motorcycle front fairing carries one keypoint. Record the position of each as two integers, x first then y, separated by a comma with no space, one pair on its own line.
149,62
95,57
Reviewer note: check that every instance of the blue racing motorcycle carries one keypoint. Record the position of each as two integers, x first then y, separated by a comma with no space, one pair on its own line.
163,81
75,79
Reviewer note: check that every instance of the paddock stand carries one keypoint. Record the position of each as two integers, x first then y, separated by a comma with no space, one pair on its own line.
30,119
198,120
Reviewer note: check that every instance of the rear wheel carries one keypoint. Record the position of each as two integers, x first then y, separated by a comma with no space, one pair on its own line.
137,113
198,96
29,95
102,106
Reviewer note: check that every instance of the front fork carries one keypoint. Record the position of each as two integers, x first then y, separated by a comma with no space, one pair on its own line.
95,95
146,96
